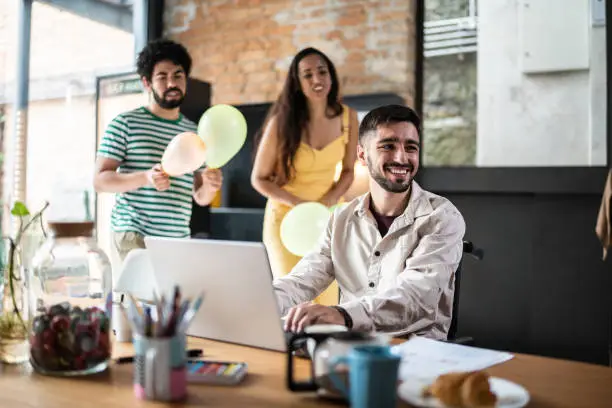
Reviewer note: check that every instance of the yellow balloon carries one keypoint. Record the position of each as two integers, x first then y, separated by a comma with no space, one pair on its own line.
302,227
223,128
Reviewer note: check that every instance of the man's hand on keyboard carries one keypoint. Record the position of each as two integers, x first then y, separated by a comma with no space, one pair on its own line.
308,314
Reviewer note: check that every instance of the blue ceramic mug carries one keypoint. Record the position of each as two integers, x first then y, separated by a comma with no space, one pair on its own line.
372,376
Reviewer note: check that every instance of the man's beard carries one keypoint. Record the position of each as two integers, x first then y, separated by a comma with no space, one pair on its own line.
168,104
388,185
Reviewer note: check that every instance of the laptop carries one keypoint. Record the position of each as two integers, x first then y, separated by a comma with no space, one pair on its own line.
239,303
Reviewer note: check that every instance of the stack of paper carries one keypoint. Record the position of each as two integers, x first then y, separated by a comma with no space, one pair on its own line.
426,358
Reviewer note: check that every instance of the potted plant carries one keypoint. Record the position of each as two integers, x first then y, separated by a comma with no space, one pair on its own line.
13,289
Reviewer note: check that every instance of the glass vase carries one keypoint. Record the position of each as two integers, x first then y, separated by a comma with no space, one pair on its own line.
14,347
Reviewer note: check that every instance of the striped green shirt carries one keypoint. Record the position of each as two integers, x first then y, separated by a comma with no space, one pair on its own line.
137,139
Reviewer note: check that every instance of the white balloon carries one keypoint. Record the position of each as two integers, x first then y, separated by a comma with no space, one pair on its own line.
185,153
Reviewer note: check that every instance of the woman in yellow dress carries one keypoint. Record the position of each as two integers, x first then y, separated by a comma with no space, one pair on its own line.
307,133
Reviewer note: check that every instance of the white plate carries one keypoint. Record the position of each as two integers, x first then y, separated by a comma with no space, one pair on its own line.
509,394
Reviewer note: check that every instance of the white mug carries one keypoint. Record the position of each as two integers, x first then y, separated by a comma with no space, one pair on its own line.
121,324
321,328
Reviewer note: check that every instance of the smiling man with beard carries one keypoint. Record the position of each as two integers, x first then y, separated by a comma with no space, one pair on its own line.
149,202
393,251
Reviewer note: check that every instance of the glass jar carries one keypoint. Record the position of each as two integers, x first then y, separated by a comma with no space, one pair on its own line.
70,288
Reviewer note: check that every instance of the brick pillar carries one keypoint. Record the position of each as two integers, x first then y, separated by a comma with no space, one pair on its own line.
244,47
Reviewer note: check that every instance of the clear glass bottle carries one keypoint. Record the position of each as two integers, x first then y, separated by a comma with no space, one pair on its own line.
70,303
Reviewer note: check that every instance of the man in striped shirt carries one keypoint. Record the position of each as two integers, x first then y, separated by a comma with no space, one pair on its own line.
149,202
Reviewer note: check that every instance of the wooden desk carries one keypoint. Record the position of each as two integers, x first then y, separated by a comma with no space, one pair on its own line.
551,383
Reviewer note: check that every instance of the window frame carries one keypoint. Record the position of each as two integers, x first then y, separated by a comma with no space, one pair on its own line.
529,180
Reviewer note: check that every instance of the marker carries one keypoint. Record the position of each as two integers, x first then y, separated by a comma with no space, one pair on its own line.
191,353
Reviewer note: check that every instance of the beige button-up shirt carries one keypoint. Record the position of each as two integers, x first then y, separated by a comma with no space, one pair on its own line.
401,283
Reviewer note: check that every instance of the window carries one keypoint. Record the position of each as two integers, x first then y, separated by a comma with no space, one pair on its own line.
69,49
514,83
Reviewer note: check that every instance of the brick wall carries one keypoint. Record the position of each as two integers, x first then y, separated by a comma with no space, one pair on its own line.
244,47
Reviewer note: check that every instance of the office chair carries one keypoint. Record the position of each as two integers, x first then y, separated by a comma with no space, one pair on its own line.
478,254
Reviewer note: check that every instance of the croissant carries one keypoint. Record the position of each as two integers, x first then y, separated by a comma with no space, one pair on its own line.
447,388
463,390
476,393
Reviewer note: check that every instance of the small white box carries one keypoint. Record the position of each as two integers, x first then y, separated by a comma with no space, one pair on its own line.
554,35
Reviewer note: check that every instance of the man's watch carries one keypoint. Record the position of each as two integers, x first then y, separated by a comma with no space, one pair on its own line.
348,320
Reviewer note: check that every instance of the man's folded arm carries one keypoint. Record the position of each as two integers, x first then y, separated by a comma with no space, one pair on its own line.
418,288
311,276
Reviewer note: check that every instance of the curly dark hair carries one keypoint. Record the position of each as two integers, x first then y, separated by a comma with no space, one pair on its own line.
291,111
162,50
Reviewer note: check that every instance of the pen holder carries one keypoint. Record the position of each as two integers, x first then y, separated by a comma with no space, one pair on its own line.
160,368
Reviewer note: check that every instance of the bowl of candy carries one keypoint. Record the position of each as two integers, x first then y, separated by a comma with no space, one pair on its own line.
69,296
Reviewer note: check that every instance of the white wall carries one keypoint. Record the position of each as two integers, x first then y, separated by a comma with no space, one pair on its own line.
548,118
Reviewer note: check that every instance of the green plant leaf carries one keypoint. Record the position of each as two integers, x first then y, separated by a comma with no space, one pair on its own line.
20,209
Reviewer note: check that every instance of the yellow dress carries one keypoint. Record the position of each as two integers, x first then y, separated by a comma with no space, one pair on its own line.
314,176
